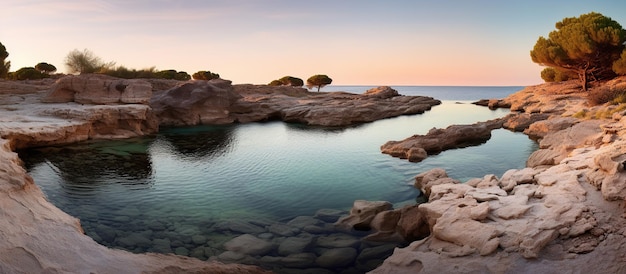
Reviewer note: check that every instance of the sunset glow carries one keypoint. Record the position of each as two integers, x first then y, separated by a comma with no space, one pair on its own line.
354,42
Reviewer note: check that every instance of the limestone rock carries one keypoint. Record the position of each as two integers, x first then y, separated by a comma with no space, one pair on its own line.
195,103
383,92
362,214
99,89
436,176
437,140
296,105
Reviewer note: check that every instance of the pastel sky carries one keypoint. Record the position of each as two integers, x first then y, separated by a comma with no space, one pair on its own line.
355,42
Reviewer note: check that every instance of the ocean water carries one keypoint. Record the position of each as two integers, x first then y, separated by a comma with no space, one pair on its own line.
190,181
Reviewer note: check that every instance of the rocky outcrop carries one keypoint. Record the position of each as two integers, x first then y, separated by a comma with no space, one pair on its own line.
297,105
195,103
556,215
99,89
218,102
418,147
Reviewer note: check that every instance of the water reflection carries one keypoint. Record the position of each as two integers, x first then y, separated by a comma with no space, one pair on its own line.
201,142
80,166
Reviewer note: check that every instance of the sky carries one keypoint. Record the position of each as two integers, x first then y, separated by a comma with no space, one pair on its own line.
354,42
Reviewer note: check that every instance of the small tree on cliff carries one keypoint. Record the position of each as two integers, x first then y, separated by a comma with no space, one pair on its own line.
205,75
45,68
587,45
4,65
318,81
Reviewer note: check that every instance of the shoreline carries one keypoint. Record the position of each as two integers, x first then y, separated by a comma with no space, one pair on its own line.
433,253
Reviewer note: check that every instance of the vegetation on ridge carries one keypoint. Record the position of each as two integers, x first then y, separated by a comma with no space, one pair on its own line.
590,46
318,81
287,81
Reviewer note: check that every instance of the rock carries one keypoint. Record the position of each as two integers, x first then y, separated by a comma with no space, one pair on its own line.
412,225
337,240
329,215
162,246
294,245
339,257
543,157
198,239
361,214
514,177
520,122
385,226
300,261
240,227
540,129
283,229
436,176
383,92
377,252
99,89
181,251
249,245
437,140
195,103
296,105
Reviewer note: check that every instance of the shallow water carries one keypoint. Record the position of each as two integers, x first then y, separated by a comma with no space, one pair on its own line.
188,182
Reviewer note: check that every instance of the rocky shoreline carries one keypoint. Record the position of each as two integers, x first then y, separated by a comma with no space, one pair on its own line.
563,213
38,237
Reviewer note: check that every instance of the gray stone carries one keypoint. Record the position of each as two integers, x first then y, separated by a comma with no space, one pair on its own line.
337,240
107,233
377,252
197,252
134,240
248,244
241,227
303,221
338,257
198,239
293,245
162,246
301,260
329,215
283,230
181,251
323,229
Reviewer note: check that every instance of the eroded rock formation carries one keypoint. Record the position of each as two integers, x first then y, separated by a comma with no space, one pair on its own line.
556,215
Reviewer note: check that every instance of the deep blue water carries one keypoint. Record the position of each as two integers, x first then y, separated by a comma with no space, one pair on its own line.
273,171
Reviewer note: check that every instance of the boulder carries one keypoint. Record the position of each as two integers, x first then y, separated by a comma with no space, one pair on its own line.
338,257
99,89
249,245
195,103
436,176
293,245
361,214
383,92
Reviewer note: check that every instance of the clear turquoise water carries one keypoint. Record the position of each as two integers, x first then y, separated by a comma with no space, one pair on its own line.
275,171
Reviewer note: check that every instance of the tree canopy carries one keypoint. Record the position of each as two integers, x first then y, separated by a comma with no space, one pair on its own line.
4,65
85,62
205,75
287,81
28,73
319,81
587,45
45,68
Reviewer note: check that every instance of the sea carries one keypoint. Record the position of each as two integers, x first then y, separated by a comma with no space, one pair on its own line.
188,181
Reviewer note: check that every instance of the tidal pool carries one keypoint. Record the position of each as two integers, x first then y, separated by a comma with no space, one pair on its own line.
191,190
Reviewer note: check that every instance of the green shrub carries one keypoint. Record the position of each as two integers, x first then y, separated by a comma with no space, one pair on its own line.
28,73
